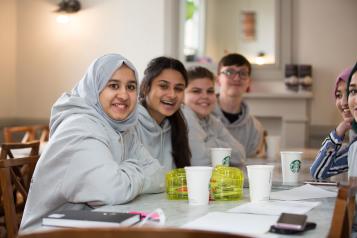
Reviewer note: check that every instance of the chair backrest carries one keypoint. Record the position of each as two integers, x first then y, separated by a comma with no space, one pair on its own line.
41,132
25,134
130,232
262,147
344,211
15,178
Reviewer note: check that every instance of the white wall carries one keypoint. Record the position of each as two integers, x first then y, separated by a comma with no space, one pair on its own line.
325,36
40,59
265,29
7,59
53,57
224,30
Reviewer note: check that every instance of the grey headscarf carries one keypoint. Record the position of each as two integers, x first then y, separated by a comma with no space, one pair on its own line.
94,81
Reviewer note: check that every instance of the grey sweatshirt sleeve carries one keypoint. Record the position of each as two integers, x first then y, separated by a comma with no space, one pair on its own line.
154,173
255,133
197,140
213,135
225,139
94,177
199,150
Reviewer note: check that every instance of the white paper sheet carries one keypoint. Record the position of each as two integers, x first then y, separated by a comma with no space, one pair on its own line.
303,192
249,224
275,207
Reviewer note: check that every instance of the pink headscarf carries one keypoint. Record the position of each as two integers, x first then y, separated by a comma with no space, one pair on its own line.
342,77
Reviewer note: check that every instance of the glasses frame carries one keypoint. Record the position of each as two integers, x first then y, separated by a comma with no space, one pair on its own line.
231,74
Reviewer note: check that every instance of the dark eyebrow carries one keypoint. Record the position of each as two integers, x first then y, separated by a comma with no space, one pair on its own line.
167,82
133,81
118,81
180,84
113,81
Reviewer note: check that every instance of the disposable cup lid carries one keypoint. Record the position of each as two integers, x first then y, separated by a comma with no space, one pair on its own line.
198,168
221,148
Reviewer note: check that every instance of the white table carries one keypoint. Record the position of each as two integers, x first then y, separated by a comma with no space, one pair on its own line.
179,212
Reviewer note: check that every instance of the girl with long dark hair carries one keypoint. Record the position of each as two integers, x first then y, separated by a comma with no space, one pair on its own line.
162,127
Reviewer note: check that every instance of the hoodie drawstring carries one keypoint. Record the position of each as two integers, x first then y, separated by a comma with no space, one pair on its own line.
121,140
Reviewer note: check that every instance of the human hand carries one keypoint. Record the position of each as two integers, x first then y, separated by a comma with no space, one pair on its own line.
344,126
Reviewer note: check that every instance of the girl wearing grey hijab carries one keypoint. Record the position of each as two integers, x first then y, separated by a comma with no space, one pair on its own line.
92,157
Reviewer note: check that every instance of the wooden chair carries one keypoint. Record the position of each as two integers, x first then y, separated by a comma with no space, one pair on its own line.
131,232
344,212
27,133
15,178
262,147
41,132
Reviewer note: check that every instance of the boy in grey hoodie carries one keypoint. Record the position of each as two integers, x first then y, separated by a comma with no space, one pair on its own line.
233,77
205,130
93,157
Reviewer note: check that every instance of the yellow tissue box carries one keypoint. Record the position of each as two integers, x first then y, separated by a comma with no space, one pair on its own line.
226,184
176,185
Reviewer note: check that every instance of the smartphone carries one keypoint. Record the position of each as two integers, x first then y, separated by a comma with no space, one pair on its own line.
291,221
308,226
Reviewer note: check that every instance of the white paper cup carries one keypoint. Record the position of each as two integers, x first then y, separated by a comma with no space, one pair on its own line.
260,180
273,146
290,166
220,156
198,178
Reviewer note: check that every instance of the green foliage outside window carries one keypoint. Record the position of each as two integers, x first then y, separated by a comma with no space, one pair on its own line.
190,9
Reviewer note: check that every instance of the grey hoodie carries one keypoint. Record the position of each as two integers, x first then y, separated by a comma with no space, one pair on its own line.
208,133
352,161
88,162
156,138
247,130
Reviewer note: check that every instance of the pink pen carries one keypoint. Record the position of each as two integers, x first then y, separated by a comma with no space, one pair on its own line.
154,216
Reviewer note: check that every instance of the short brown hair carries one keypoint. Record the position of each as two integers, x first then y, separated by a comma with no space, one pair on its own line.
196,72
234,59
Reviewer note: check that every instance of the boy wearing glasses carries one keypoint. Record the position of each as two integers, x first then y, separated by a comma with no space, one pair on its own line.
233,78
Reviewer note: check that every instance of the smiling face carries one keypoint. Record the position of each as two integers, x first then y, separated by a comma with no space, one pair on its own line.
200,96
234,80
352,98
341,100
119,96
165,95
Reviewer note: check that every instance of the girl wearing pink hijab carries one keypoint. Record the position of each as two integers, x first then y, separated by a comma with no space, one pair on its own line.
332,157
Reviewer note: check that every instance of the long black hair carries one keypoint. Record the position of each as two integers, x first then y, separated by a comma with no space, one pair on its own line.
354,70
181,152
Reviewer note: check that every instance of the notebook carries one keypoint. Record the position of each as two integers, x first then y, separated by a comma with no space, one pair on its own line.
87,218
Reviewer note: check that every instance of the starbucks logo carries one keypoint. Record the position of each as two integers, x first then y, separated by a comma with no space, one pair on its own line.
295,166
226,160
